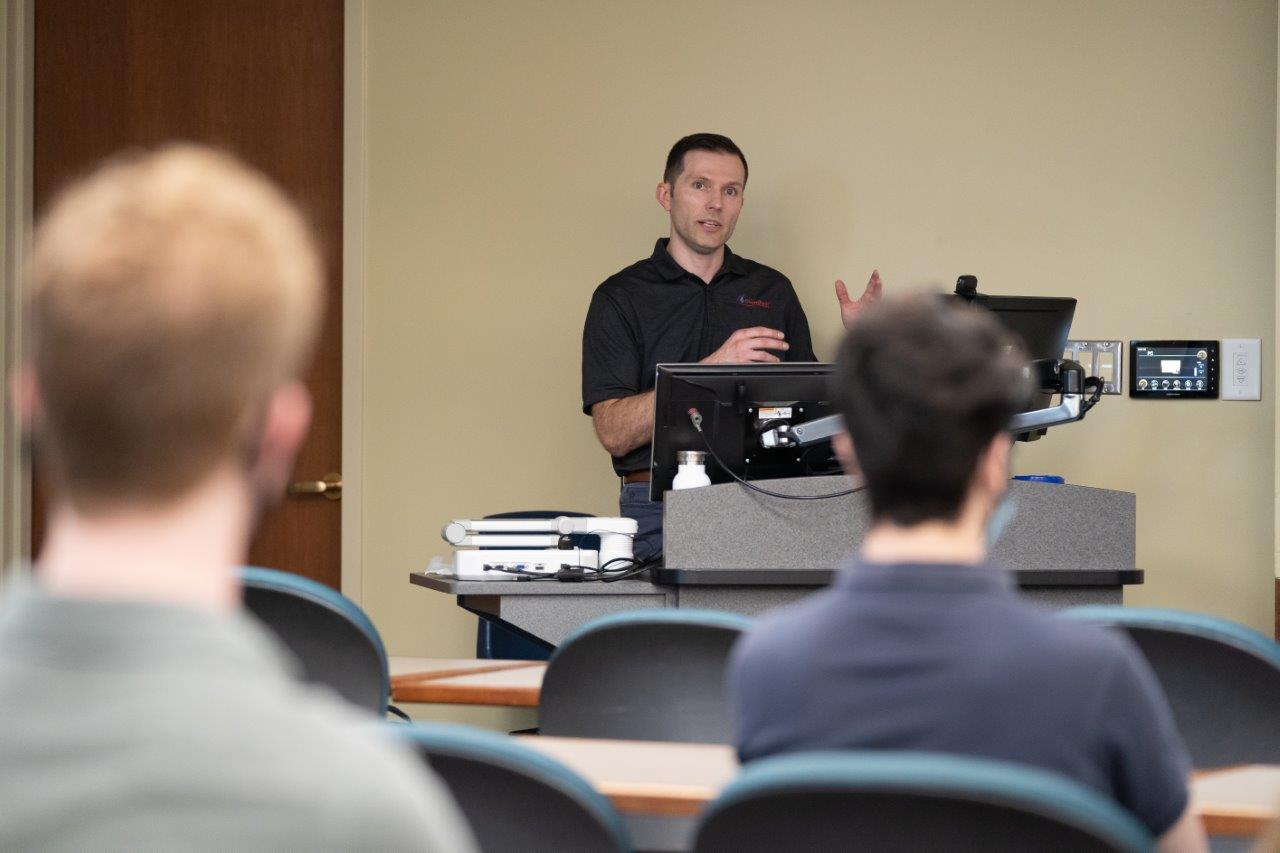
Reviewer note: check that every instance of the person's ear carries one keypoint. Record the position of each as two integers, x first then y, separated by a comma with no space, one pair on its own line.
663,194
288,416
993,466
24,396
842,444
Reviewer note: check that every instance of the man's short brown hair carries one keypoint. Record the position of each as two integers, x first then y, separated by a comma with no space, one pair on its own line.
924,384
713,142
168,294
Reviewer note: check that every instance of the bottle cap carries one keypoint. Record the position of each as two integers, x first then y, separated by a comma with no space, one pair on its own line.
690,457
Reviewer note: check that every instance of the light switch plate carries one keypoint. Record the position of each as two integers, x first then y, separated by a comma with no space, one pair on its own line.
1104,359
1241,369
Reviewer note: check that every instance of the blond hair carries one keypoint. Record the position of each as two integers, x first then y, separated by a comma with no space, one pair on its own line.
168,294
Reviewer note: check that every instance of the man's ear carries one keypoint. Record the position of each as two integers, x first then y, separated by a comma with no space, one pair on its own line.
284,428
993,465
842,444
663,194
24,396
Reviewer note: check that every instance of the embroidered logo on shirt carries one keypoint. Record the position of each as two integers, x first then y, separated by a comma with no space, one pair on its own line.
748,302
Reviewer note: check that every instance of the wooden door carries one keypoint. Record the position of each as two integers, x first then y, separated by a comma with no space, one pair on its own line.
261,78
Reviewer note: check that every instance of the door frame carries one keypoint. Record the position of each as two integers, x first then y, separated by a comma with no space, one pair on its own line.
354,169
16,218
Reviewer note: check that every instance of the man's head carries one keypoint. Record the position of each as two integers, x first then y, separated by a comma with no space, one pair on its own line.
702,187
171,303
927,386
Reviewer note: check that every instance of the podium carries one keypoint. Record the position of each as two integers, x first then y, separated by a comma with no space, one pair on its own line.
729,548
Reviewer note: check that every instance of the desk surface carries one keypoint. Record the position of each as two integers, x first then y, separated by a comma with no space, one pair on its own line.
678,779
1239,800
509,683
419,669
646,777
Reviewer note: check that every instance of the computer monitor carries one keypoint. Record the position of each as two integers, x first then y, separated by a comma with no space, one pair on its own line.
1042,323
737,402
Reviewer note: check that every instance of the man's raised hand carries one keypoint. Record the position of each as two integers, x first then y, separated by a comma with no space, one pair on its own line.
752,344
851,308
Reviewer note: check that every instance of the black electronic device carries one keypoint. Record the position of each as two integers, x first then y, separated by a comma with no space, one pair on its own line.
1041,323
1173,369
737,403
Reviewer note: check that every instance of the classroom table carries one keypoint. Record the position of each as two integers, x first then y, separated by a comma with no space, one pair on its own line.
506,683
676,780
1238,801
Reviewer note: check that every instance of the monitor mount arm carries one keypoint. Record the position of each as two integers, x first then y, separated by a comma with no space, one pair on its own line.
1058,376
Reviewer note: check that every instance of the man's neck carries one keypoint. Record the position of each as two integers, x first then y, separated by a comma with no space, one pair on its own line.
703,266
962,541
183,553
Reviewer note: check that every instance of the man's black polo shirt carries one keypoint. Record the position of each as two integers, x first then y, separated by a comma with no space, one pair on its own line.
655,312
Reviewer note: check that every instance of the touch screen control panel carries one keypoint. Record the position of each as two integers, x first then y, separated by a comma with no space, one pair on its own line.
1163,369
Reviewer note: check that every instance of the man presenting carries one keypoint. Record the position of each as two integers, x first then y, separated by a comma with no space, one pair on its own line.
692,300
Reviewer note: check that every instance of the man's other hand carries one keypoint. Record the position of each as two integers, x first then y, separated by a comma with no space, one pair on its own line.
752,344
851,308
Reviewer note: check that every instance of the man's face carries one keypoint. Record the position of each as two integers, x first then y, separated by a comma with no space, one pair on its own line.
704,200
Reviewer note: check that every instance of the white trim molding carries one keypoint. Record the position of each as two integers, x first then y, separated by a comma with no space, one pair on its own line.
16,218
354,164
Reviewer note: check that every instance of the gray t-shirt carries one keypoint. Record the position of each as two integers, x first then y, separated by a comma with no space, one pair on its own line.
949,658
131,726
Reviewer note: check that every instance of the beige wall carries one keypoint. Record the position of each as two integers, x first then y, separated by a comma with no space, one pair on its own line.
1120,152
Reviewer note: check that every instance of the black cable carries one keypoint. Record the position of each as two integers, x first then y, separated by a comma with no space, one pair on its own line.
629,573
695,417
604,574
1098,385
522,574
396,712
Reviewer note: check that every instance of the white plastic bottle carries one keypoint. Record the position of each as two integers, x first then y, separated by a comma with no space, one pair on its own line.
692,472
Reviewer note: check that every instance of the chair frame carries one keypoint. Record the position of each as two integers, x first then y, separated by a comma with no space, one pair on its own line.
275,580
480,745
954,777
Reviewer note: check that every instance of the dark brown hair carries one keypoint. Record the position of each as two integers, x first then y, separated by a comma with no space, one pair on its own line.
924,384
700,142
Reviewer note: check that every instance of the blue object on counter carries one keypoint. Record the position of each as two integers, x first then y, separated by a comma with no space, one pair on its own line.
1042,478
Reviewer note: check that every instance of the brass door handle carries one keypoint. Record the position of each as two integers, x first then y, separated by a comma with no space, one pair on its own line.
330,487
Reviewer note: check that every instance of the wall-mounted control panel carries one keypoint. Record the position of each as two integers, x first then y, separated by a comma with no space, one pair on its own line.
1104,359
1241,369
1173,369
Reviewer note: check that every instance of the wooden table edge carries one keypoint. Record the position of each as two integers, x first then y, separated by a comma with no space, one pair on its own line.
1233,820
433,692
405,678
665,800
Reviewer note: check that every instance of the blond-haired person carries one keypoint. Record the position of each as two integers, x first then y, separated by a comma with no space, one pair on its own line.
171,303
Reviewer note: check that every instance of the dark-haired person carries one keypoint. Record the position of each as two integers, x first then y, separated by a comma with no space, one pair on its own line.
691,300
921,643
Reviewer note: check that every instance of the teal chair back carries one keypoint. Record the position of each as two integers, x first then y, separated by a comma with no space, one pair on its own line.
515,797
327,632
1222,679
911,801
643,675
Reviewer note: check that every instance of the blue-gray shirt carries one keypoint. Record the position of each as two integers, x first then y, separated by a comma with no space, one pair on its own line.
949,658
